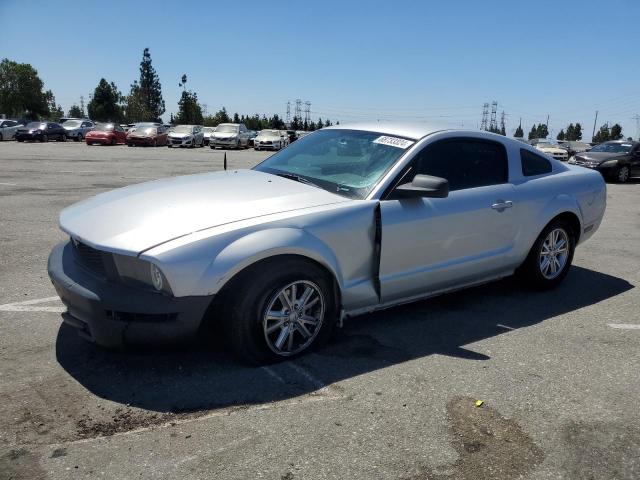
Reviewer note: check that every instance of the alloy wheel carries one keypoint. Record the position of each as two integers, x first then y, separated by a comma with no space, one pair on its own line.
293,317
623,174
554,254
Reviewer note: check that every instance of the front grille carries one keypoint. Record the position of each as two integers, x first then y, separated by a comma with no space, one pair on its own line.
89,257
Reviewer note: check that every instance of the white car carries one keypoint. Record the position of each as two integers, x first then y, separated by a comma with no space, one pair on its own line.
345,221
185,136
208,131
230,135
78,129
551,148
8,129
268,140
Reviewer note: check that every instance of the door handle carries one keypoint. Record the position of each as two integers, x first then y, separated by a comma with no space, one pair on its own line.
501,205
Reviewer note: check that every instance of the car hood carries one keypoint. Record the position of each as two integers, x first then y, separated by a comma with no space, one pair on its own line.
180,135
135,218
552,149
224,134
99,133
598,156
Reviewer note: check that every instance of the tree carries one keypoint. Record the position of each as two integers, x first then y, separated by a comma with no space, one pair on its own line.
577,132
327,123
21,93
55,111
561,135
105,105
570,132
189,110
145,102
543,131
503,131
602,135
236,118
616,132
519,132
534,132
75,112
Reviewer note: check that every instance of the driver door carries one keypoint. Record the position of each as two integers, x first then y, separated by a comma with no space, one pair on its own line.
431,244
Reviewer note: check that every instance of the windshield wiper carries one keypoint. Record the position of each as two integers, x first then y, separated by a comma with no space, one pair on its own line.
298,178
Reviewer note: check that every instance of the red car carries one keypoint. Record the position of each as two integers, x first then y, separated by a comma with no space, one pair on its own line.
147,136
106,134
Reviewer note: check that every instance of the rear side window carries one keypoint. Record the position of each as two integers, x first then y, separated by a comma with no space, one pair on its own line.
465,162
533,164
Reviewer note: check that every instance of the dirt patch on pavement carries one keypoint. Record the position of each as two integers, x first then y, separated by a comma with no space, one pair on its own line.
489,446
122,420
20,463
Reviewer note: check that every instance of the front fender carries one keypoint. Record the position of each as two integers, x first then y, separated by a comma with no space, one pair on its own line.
262,244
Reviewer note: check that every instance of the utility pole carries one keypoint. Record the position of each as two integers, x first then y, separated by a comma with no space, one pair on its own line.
502,124
307,112
493,123
288,114
636,117
594,126
485,116
298,110
82,104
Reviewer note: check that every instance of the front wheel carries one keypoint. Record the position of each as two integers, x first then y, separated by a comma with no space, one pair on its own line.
281,310
622,175
63,138
550,257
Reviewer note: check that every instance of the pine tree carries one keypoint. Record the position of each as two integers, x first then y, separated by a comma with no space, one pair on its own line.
570,133
519,133
145,102
105,103
603,134
189,110
75,112
616,132
534,132
577,132
236,118
561,135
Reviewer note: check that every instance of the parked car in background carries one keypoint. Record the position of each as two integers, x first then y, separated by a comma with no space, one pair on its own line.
185,136
277,255
66,119
147,136
8,129
268,140
106,134
207,131
42,131
78,129
292,136
285,138
572,147
550,148
230,135
133,126
252,136
301,133
617,160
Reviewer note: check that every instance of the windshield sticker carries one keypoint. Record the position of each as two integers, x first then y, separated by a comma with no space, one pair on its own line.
394,142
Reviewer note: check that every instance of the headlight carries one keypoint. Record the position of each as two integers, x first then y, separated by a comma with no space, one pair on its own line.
572,159
156,277
141,273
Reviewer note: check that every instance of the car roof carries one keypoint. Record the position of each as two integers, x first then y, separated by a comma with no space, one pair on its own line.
414,131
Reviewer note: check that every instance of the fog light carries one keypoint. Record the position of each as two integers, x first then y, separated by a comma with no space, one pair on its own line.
156,277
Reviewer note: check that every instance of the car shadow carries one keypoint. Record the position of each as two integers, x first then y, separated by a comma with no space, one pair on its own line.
198,378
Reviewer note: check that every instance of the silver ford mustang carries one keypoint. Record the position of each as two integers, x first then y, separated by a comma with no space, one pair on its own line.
345,221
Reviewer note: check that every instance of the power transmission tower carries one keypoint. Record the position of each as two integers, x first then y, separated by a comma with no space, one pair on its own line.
485,116
594,126
493,124
636,117
204,109
82,104
502,124
298,110
288,113
307,112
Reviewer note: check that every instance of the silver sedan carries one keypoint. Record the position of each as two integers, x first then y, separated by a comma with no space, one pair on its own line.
345,221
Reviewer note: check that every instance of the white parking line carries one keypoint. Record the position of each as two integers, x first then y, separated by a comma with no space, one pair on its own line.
28,306
9,184
316,383
504,326
624,326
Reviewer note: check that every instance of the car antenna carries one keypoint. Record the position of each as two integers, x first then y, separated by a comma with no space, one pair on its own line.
225,160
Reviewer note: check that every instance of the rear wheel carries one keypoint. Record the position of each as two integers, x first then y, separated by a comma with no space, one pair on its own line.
113,142
550,257
281,310
44,138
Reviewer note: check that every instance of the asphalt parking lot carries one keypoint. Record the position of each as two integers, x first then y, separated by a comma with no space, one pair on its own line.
391,397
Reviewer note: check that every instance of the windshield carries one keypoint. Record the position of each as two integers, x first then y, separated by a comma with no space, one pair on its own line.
346,162
36,125
269,133
208,129
226,128
146,131
613,147
72,123
105,128
182,129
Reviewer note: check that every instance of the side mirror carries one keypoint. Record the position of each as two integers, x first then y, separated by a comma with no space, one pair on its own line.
424,186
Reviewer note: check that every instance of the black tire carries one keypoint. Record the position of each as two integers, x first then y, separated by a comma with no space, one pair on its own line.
1,137
129,144
80,137
113,142
63,138
622,174
531,271
251,293
212,147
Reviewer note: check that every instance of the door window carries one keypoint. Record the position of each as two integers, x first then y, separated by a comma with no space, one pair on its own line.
465,162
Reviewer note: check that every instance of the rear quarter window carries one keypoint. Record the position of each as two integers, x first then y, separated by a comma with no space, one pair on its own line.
533,164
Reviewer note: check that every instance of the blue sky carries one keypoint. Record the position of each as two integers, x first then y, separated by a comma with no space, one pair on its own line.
427,61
